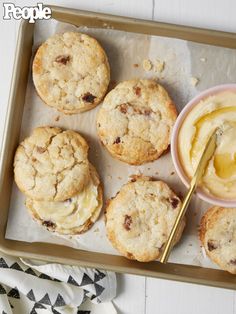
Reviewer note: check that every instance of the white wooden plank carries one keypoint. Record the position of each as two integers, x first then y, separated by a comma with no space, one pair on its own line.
214,14
234,309
130,294
167,297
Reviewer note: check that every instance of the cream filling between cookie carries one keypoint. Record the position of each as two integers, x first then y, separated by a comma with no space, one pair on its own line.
73,212
215,111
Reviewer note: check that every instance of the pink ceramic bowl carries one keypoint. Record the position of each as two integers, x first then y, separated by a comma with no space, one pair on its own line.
174,144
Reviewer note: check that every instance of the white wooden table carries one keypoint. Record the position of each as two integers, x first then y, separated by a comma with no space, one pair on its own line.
140,295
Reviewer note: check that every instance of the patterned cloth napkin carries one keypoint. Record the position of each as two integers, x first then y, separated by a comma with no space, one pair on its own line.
33,287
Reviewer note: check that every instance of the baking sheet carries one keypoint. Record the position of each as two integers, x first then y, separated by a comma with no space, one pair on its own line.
183,61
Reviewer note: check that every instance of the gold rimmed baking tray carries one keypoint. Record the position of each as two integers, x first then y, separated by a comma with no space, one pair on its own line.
66,255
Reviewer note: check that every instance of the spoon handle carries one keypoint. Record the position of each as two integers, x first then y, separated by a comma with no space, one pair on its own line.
169,243
206,156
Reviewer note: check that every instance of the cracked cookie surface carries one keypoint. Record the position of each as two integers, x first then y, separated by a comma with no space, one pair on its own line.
135,121
140,217
218,236
73,216
51,164
71,72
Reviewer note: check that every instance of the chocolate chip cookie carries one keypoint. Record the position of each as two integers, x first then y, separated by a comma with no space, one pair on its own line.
135,121
52,164
218,236
140,217
74,215
71,72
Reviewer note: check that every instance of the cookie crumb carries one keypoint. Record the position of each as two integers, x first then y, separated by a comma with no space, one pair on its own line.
194,81
159,65
135,65
147,65
57,118
203,59
119,178
172,173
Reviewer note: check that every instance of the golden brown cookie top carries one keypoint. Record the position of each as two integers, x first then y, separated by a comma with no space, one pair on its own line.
140,217
218,236
135,121
71,72
52,164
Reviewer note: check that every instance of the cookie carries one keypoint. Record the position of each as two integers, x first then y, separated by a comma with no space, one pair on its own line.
140,217
218,236
71,72
135,121
51,164
73,216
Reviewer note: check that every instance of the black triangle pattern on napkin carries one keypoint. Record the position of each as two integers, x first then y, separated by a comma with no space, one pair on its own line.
46,300
55,311
14,293
59,301
44,276
30,272
99,289
98,275
86,280
3,263
37,306
30,295
16,266
41,304
2,290
72,281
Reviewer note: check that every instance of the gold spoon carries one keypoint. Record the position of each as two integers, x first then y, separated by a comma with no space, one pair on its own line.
206,156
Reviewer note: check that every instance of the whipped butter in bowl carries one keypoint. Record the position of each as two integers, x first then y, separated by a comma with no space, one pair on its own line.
214,108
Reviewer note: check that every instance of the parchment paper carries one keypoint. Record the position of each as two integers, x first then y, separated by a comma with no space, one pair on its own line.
124,49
